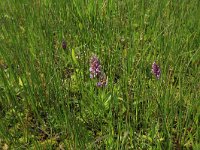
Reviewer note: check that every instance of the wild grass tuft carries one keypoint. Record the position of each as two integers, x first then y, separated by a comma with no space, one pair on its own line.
49,101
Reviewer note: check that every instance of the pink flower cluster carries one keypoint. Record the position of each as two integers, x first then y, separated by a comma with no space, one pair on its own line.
97,72
156,70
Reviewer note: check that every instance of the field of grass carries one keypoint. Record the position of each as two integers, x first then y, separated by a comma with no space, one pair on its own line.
49,101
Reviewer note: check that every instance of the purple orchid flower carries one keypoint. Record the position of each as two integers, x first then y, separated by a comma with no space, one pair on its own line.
95,67
156,70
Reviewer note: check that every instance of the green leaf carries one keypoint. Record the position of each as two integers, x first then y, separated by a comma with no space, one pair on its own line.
74,57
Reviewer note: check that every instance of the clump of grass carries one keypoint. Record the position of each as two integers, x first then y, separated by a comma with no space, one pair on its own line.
49,101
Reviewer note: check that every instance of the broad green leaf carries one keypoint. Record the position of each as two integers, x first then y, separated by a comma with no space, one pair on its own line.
74,57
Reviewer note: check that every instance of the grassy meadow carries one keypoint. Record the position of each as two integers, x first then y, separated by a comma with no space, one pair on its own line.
48,100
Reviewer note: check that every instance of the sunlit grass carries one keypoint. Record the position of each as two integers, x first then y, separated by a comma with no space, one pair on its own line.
49,101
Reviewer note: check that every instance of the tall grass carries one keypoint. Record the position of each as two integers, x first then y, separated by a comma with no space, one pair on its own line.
48,100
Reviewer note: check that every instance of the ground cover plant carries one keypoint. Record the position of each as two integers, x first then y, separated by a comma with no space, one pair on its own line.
100,74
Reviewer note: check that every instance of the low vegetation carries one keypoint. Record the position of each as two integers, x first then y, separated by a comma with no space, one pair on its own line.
100,74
